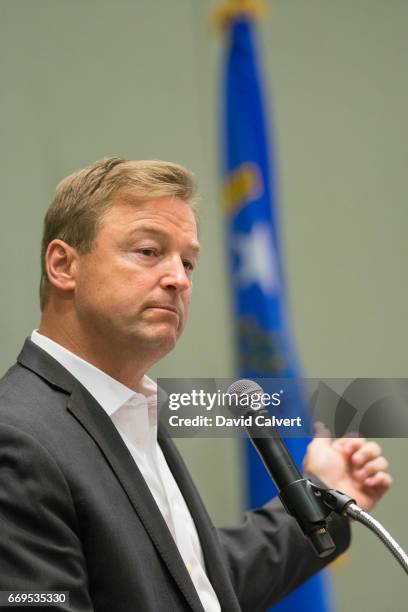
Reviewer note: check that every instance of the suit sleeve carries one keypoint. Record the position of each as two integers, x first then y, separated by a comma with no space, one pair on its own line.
39,545
268,556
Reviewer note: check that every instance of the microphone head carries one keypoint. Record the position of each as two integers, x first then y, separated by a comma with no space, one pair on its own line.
244,390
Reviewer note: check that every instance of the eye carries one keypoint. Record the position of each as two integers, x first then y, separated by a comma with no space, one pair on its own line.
189,266
148,252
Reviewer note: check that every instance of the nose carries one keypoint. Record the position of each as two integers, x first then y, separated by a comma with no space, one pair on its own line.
174,276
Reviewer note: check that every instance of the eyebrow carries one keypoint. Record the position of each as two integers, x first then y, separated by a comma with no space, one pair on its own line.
149,229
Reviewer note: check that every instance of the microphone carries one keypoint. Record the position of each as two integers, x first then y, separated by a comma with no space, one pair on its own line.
300,497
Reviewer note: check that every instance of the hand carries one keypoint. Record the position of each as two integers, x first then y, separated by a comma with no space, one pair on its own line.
351,465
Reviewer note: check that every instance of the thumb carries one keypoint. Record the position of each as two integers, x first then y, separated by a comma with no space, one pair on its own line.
322,433
316,452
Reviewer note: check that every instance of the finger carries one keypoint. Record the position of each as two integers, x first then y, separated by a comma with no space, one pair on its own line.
349,446
380,482
380,464
369,451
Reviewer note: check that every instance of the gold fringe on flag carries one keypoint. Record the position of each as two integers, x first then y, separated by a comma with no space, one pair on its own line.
231,8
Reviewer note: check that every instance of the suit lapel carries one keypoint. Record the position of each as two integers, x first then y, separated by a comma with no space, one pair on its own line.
99,426
91,416
215,565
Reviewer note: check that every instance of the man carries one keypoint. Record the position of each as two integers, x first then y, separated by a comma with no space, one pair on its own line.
90,501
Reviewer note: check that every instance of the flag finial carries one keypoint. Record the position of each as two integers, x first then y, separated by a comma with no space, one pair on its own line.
229,9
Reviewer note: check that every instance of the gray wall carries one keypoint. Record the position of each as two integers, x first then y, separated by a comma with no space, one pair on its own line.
82,80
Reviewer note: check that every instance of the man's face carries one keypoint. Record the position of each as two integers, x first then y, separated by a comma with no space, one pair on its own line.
134,287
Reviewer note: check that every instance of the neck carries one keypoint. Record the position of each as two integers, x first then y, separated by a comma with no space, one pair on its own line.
122,363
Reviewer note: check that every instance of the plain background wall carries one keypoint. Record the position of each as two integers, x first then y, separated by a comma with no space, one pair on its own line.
83,80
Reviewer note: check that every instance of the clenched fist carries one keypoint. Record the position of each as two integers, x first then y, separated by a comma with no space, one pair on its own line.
351,465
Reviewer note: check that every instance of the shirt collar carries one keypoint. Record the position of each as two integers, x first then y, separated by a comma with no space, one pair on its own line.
108,392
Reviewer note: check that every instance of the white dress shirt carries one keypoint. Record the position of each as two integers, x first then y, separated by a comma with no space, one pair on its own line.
135,417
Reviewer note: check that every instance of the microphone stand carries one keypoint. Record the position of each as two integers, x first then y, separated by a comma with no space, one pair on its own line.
343,504
310,504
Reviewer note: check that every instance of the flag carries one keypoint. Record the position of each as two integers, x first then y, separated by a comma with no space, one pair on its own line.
264,342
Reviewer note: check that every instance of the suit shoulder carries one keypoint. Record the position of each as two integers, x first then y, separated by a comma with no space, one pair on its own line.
27,398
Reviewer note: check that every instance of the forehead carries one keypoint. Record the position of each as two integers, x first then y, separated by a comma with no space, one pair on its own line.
167,215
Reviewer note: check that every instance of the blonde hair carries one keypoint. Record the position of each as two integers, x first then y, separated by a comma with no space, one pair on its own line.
82,199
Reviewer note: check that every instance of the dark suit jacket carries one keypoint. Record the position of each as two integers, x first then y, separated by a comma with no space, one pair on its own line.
76,514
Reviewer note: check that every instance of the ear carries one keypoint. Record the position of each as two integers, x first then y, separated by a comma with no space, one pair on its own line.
60,262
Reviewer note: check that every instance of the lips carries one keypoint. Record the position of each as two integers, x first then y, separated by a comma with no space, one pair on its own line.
167,307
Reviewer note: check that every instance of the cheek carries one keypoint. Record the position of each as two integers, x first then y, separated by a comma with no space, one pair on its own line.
96,286
106,285
186,303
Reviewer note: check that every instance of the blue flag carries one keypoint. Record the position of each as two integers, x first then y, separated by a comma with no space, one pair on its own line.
263,336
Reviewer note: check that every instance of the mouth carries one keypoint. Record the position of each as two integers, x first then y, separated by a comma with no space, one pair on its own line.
164,307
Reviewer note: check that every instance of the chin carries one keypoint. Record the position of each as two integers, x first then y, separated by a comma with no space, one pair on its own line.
161,339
